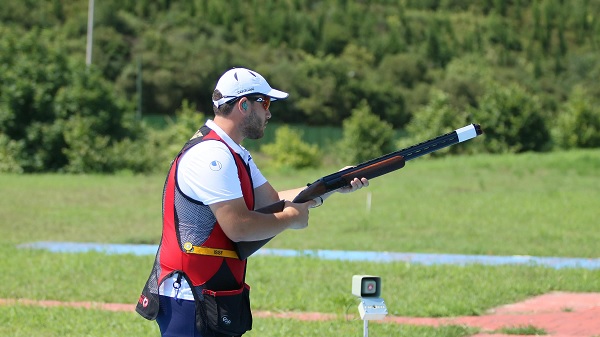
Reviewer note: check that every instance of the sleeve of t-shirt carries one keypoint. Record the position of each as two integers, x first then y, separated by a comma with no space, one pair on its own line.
257,178
207,172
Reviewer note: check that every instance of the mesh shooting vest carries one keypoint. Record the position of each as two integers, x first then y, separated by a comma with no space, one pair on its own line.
190,228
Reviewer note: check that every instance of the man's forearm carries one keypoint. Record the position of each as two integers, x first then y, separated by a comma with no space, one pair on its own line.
290,194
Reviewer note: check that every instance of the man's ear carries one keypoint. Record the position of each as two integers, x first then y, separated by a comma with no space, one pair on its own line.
243,105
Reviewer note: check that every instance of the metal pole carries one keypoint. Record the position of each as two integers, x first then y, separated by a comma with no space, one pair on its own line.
365,328
139,88
90,29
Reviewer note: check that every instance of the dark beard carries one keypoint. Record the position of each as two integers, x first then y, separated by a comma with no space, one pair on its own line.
252,127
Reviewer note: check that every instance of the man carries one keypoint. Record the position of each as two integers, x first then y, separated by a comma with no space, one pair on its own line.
197,285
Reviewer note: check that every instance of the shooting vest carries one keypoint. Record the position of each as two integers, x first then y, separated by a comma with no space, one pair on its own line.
193,243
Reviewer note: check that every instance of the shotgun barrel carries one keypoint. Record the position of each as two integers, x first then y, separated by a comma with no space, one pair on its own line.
369,169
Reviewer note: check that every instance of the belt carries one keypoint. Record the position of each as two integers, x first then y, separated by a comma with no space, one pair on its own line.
191,249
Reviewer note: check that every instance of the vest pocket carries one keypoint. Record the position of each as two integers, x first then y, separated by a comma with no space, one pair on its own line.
226,312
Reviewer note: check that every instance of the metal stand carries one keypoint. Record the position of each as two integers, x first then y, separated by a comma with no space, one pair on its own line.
371,308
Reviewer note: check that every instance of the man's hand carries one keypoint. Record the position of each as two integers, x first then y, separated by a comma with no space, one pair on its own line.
298,212
355,184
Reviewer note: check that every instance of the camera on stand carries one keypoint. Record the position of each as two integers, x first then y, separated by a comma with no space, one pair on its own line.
371,306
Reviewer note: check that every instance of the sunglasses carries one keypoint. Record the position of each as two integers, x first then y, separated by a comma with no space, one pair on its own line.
264,100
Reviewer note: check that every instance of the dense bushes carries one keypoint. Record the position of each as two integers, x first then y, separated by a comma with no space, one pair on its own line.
290,151
151,149
527,71
56,115
513,120
365,136
579,124
436,118
511,117
329,54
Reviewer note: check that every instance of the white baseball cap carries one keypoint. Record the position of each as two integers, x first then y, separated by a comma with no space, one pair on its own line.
239,82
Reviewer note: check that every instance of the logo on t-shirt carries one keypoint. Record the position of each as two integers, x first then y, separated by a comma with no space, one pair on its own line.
215,165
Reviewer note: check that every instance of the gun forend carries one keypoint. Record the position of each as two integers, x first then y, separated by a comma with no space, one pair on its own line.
370,169
375,169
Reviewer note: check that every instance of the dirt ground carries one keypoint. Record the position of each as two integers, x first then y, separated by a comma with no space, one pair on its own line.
560,314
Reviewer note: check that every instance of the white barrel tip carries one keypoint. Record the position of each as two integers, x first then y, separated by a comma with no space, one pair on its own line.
466,133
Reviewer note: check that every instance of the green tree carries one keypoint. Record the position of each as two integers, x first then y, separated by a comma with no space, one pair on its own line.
512,120
152,150
405,69
436,118
32,75
439,38
578,124
54,110
365,136
329,54
10,151
91,119
463,81
289,151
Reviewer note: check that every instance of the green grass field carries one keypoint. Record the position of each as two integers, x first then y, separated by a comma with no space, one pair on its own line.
530,204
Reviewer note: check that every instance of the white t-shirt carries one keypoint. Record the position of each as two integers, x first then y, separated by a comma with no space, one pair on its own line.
207,172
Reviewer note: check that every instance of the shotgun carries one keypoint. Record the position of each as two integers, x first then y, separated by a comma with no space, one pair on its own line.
369,169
